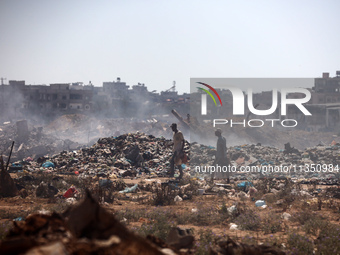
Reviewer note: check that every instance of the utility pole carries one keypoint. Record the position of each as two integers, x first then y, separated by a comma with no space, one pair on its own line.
2,80
2,103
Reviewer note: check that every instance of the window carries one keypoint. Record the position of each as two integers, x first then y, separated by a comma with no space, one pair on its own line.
76,96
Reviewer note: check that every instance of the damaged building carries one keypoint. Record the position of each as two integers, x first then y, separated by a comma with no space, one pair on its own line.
113,99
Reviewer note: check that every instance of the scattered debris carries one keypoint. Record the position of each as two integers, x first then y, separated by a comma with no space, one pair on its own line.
179,238
231,247
86,228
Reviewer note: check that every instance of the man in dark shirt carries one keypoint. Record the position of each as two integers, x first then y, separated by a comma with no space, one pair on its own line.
221,155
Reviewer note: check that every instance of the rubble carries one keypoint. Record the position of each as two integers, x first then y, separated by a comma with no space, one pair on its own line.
138,154
231,247
45,190
318,164
86,228
179,238
128,155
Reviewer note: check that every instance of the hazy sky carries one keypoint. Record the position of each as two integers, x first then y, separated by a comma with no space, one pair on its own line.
158,42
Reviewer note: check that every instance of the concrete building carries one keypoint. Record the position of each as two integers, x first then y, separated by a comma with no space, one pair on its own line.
113,99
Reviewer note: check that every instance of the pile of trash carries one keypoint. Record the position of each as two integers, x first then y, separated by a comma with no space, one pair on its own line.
128,155
250,161
138,154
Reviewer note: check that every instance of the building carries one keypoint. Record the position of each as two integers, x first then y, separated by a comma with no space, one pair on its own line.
326,90
113,99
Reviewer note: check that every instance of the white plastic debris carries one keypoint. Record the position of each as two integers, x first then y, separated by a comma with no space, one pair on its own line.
274,190
168,251
128,190
71,200
231,209
259,203
242,194
43,211
233,226
305,193
178,199
286,216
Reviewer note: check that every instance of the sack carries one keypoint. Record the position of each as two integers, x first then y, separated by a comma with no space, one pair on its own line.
184,158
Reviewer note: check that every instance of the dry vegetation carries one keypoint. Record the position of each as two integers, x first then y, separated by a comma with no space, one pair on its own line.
313,227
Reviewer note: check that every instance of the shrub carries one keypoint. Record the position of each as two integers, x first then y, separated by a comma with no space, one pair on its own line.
249,220
131,215
13,214
206,239
304,216
272,223
328,240
4,229
60,206
312,226
159,226
299,244
250,240
205,216
191,190
163,196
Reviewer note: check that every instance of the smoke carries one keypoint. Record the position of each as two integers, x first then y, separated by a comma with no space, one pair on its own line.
143,112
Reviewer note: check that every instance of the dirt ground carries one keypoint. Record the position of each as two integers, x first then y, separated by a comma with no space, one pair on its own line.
205,214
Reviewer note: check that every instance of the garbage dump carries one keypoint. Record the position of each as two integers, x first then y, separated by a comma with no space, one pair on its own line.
111,157
317,164
143,161
137,155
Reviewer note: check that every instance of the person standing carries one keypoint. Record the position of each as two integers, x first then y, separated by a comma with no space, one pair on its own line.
221,155
178,151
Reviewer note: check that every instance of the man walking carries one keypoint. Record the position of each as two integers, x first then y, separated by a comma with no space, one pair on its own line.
178,151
